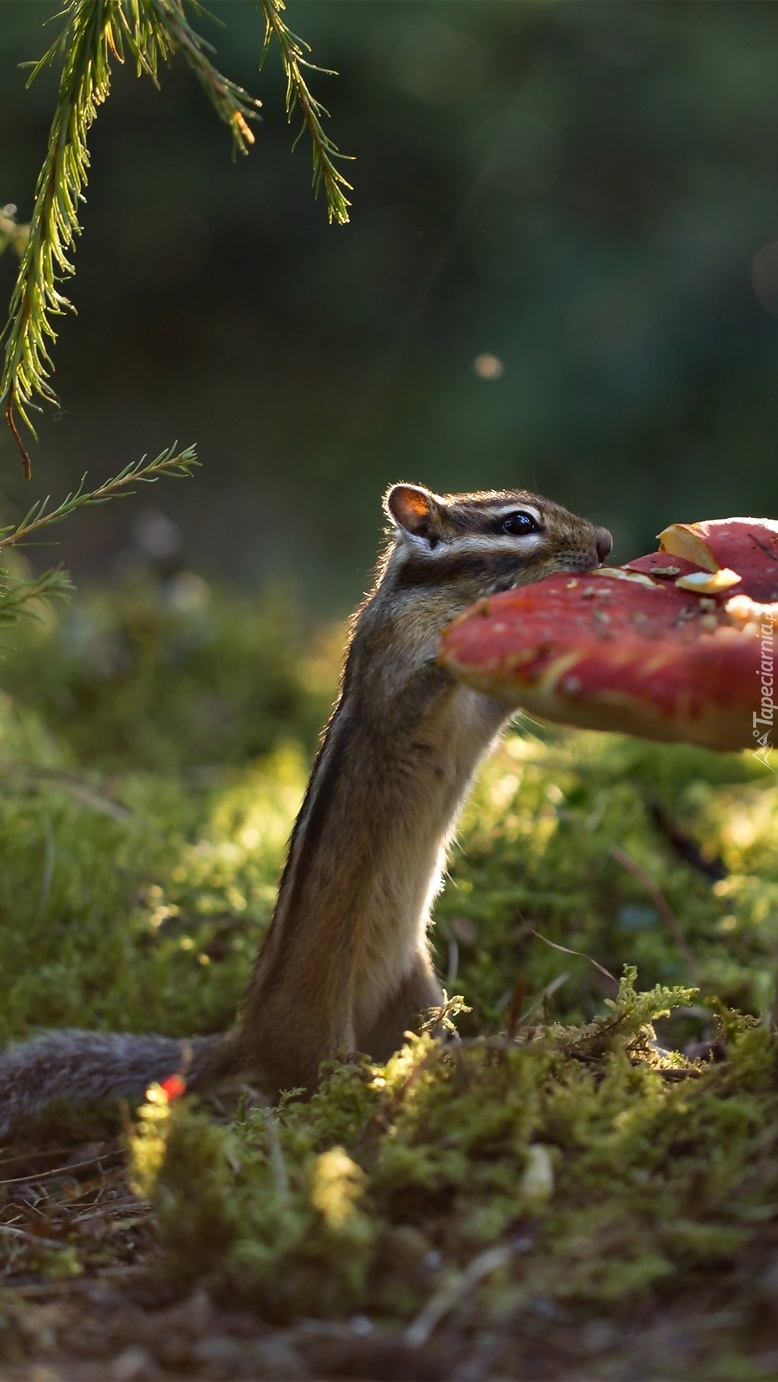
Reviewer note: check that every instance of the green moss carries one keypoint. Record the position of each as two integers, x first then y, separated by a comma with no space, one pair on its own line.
544,841
141,844
605,1179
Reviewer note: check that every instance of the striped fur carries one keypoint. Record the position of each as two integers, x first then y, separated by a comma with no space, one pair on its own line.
346,962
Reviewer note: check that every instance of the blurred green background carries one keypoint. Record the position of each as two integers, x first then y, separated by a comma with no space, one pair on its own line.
586,192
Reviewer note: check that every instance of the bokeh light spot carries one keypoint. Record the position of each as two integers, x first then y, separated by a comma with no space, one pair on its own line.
488,366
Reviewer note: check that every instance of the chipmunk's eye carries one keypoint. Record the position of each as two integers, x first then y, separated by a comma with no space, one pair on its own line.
520,523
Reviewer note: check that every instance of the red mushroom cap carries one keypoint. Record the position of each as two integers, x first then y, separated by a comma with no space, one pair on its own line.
661,567
748,546
624,650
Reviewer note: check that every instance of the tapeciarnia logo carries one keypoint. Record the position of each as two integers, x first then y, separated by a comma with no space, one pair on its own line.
764,717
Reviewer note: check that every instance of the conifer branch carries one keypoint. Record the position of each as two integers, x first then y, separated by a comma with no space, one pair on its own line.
173,463
32,597
54,224
298,95
95,32
155,29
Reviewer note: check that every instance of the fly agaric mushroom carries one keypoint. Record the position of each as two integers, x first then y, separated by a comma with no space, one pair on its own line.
667,647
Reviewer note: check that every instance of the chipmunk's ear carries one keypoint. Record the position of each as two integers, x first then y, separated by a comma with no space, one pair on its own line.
415,510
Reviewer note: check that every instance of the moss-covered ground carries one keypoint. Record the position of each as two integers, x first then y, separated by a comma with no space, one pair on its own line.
569,1192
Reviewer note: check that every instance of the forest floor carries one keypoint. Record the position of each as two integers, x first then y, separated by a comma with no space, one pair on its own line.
585,1187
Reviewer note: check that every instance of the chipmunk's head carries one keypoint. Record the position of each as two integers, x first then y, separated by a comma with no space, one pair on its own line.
476,544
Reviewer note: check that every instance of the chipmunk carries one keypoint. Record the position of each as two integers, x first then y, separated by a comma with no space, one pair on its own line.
345,965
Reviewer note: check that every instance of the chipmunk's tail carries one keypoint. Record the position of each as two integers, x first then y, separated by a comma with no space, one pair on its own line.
85,1066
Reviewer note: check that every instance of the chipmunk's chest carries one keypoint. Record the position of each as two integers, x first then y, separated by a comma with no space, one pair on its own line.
427,790
443,754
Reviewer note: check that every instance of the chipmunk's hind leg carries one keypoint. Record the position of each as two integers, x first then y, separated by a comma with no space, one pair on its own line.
418,990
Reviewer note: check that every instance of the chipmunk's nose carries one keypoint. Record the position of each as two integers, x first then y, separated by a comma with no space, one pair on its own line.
604,543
